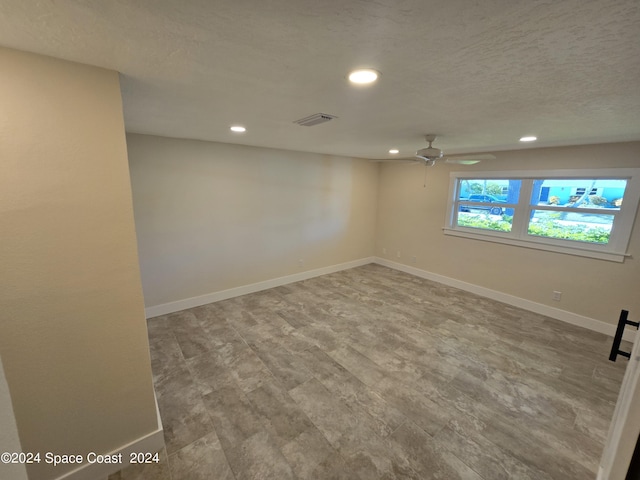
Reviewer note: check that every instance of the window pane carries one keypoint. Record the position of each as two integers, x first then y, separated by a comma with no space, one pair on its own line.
484,190
571,192
570,225
484,220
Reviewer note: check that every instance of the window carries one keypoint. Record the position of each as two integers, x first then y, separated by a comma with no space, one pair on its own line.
581,190
588,212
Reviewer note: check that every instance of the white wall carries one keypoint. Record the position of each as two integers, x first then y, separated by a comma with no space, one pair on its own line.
72,329
411,217
212,216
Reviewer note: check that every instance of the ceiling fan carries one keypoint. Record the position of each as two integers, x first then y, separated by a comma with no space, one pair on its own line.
430,154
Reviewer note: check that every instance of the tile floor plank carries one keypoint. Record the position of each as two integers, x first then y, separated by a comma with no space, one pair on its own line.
371,373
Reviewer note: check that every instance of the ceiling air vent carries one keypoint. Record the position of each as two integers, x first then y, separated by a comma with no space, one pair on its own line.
315,119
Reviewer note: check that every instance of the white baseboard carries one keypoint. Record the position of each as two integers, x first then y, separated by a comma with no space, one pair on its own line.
178,305
152,442
557,313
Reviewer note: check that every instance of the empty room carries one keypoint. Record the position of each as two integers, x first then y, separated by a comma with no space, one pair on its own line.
319,240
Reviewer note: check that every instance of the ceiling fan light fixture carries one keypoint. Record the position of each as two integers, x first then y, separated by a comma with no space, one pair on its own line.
528,138
363,76
430,153
238,129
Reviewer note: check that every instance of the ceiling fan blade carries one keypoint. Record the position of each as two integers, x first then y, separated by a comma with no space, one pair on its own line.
461,162
396,160
468,159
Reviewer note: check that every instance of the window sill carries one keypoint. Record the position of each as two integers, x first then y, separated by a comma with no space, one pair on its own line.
579,251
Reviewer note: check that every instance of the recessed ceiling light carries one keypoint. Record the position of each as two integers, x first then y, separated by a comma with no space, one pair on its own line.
393,151
528,139
363,76
238,129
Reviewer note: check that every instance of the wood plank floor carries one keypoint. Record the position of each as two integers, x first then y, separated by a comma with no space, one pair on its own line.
372,373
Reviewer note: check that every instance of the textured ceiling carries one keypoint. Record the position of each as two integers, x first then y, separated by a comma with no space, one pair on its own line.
478,73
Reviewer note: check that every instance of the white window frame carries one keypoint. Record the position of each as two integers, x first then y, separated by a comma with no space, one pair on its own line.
615,250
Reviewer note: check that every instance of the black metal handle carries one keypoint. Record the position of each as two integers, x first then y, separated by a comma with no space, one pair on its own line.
623,322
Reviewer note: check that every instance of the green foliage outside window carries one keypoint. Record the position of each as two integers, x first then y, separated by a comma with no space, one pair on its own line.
488,188
475,188
581,233
480,221
549,229
494,189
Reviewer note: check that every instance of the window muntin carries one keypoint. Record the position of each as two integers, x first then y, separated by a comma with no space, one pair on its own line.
550,210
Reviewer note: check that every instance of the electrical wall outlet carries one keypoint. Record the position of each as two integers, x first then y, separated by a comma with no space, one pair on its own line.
398,254
384,251
414,259
301,263
556,296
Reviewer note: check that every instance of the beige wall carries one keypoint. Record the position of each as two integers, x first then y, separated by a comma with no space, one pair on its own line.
411,217
212,216
72,329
